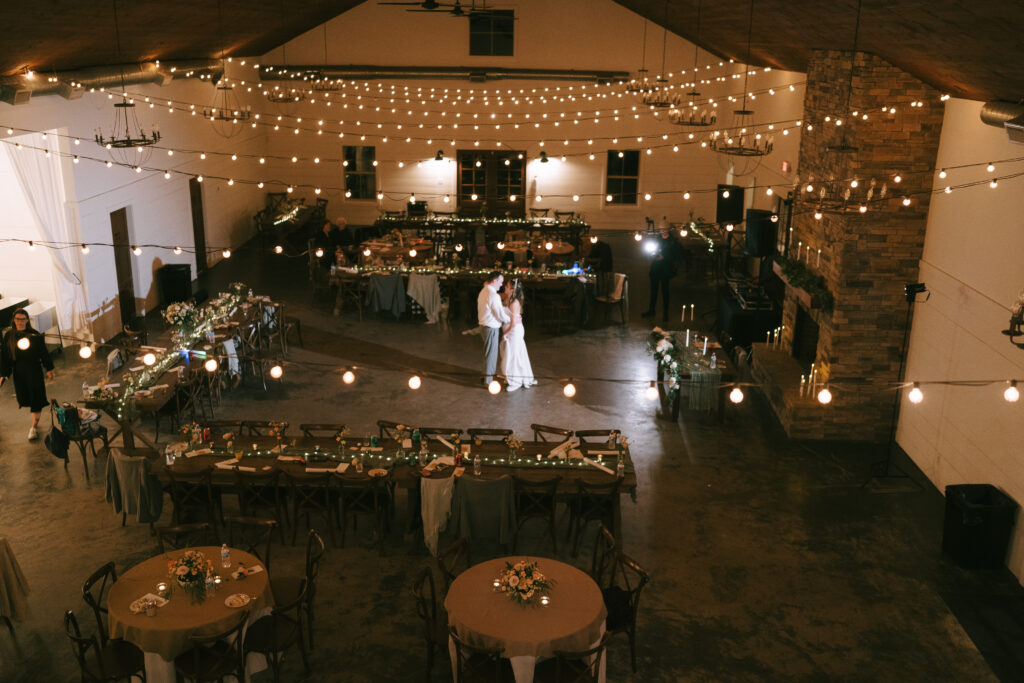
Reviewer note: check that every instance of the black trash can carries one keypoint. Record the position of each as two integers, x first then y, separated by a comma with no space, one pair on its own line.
175,283
979,519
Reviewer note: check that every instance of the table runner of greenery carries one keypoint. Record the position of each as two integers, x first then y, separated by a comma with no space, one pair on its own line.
677,359
191,324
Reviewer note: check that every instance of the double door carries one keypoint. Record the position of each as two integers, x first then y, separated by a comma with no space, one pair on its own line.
491,183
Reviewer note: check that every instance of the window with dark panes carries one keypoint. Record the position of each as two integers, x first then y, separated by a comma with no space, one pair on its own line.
623,175
360,172
491,32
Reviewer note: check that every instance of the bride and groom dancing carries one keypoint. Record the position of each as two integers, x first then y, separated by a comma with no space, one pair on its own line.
501,325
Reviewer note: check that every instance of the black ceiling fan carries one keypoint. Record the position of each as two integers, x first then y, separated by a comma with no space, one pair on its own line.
425,6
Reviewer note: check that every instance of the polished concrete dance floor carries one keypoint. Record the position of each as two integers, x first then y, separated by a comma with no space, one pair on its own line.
769,559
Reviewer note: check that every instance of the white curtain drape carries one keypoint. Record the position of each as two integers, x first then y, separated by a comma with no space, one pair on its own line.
42,183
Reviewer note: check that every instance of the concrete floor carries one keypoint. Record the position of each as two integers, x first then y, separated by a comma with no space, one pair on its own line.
768,559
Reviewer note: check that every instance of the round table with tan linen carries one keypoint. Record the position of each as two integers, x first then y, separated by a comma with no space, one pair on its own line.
166,635
574,619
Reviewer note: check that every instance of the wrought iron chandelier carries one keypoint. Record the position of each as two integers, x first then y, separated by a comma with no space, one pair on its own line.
641,82
225,112
127,137
741,139
660,96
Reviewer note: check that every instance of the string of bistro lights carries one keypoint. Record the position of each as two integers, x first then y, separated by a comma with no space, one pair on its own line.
992,181
213,361
557,117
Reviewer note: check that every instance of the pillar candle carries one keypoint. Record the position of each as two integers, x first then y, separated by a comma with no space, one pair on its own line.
768,337
705,351
817,262
691,311
683,319
803,384
687,337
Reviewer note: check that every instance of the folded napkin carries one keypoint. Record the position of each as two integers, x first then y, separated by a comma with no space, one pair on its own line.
275,449
227,464
198,451
243,468
591,451
561,449
137,368
446,443
458,471
243,572
159,386
443,460
114,385
288,458
575,454
600,467
374,449
137,606
340,468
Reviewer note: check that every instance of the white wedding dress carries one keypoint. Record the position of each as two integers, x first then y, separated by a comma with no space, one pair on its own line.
515,360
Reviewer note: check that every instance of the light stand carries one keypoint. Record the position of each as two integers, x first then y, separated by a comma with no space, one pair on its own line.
910,290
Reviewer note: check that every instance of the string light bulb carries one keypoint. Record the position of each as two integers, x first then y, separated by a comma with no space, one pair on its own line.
916,395
177,251
638,236
226,253
593,239
137,250
569,389
276,372
319,252
366,252
458,247
149,358
31,245
24,343
1012,394
85,352
736,395
211,365
412,253
85,248
494,387
651,393
824,396
278,249
348,377
415,382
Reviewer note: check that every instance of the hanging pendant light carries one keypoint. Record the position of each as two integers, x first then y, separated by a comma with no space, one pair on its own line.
128,142
742,139
640,82
688,113
660,95
225,112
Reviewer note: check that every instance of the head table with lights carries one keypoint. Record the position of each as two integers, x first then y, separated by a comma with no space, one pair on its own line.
198,337
463,230
691,361
399,463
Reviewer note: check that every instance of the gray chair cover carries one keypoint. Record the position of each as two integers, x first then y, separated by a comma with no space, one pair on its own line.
484,509
132,489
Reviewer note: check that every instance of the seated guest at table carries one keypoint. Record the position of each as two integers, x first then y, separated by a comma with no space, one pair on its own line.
491,316
25,361
346,240
326,240
599,259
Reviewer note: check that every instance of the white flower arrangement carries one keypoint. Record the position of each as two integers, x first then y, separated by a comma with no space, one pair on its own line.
181,314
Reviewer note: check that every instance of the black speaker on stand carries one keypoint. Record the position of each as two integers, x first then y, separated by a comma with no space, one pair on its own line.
729,204
760,233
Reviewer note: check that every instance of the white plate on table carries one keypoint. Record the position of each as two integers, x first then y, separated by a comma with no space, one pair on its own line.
237,600
139,606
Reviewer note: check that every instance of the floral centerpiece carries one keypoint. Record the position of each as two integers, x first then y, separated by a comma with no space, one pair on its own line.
340,438
239,289
513,444
184,317
277,431
102,392
192,432
191,571
522,582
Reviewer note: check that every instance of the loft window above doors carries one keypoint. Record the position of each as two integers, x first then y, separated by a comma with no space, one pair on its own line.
492,33
496,179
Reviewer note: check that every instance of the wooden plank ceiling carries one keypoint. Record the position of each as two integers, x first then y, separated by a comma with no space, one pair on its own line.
968,49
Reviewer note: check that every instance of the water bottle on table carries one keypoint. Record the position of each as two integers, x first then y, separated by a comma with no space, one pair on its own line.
225,556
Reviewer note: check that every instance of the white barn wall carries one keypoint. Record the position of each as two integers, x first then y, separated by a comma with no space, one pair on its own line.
605,36
972,266
159,210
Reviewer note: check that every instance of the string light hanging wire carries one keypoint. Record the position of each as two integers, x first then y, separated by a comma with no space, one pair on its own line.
322,83
284,95
640,83
225,112
842,191
127,141
742,139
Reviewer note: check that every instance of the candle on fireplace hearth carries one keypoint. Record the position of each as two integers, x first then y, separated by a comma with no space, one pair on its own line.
807,259
768,337
691,311
803,384
817,262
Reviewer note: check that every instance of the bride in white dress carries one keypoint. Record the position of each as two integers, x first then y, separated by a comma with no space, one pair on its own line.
515,360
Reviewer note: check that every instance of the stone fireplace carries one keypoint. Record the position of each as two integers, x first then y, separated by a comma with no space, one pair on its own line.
865,258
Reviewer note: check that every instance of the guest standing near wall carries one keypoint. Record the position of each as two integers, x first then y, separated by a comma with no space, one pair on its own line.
23,356
667,253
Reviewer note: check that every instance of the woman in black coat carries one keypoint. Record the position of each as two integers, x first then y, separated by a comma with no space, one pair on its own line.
23,354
